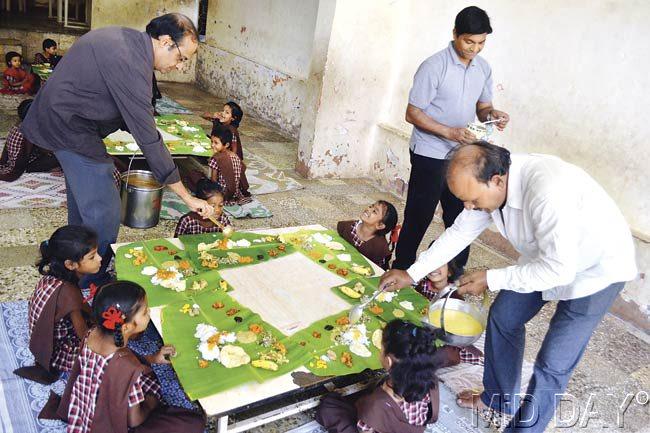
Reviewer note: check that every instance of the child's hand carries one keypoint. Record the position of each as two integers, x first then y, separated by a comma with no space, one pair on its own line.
163,356
439,277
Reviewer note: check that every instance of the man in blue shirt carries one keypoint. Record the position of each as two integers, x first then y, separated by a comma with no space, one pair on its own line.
450,89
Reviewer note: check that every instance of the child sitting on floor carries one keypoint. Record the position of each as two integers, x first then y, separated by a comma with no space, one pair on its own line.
56,323
110,387
49,54
192,223
408,398
15,80
227,169
368,233
230,116
19,155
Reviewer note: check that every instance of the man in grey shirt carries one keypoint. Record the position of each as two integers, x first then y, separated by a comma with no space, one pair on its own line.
104,83
450,89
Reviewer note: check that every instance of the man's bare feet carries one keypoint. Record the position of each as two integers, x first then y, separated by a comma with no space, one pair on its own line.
470,399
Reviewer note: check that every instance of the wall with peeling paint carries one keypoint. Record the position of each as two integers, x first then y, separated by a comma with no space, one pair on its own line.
137,14
257,52
576,93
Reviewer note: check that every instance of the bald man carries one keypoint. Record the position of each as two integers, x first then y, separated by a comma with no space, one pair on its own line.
576,249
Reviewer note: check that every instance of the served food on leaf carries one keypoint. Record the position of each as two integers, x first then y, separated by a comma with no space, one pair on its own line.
386,296
376,309
233,356
264,364
193,310
376,338
335,246
407,305
344,257
246,337
342,272
398,313
350,292
137,254
199,285
169,279
346,359
361,270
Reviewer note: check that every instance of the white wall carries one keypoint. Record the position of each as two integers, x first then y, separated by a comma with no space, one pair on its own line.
137,14
275,34
258,53
573,77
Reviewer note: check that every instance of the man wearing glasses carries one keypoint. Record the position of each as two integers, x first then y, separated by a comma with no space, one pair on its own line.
104,83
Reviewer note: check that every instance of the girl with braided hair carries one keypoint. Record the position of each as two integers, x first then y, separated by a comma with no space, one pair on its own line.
56,309
407,399
112,388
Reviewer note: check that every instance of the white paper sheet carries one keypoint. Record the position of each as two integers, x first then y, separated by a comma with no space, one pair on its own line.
289,292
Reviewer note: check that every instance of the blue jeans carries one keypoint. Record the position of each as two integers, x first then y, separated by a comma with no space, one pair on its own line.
93,201
570,330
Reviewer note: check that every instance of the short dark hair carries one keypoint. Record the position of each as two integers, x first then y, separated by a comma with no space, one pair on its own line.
205,189
48,43
10,55
490,160
473,21
390,217
237,113
23,108
223,133
174,25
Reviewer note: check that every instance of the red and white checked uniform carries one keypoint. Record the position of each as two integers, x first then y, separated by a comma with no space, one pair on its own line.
84,392
190,226
238,197
416,413
356,240
66,342
13,145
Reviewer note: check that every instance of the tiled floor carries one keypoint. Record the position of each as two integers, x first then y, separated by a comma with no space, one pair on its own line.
615,364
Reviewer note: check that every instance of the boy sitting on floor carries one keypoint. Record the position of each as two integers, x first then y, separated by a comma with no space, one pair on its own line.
368,233
49,54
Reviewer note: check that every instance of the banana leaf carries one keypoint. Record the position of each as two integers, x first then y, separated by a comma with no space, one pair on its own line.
263,248
319,340
327,257
179,328
386,310
157,295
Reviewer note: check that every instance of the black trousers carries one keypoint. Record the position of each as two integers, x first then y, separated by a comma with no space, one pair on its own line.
427,187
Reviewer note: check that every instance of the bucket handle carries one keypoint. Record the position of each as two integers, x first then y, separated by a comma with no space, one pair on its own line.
128,170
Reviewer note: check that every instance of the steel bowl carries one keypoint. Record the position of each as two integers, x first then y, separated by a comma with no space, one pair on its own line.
444,303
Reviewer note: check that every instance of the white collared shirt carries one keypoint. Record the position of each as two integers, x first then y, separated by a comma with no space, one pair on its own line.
572,238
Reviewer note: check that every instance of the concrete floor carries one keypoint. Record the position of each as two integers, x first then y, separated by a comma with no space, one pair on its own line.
615,367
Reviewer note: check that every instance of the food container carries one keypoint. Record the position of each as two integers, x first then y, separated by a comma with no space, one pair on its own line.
141,196
462,323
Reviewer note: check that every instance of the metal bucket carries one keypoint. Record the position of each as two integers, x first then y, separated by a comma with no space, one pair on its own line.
444,303
140,203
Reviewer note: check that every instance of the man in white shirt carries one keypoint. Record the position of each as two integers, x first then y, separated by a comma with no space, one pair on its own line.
575,246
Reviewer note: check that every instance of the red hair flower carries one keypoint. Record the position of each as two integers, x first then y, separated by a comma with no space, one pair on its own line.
113,316
91,294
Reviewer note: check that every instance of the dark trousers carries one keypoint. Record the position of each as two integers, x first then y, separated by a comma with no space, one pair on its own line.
93,201
570,330
427,187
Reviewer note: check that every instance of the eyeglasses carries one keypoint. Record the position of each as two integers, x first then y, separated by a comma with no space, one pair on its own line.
182,58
